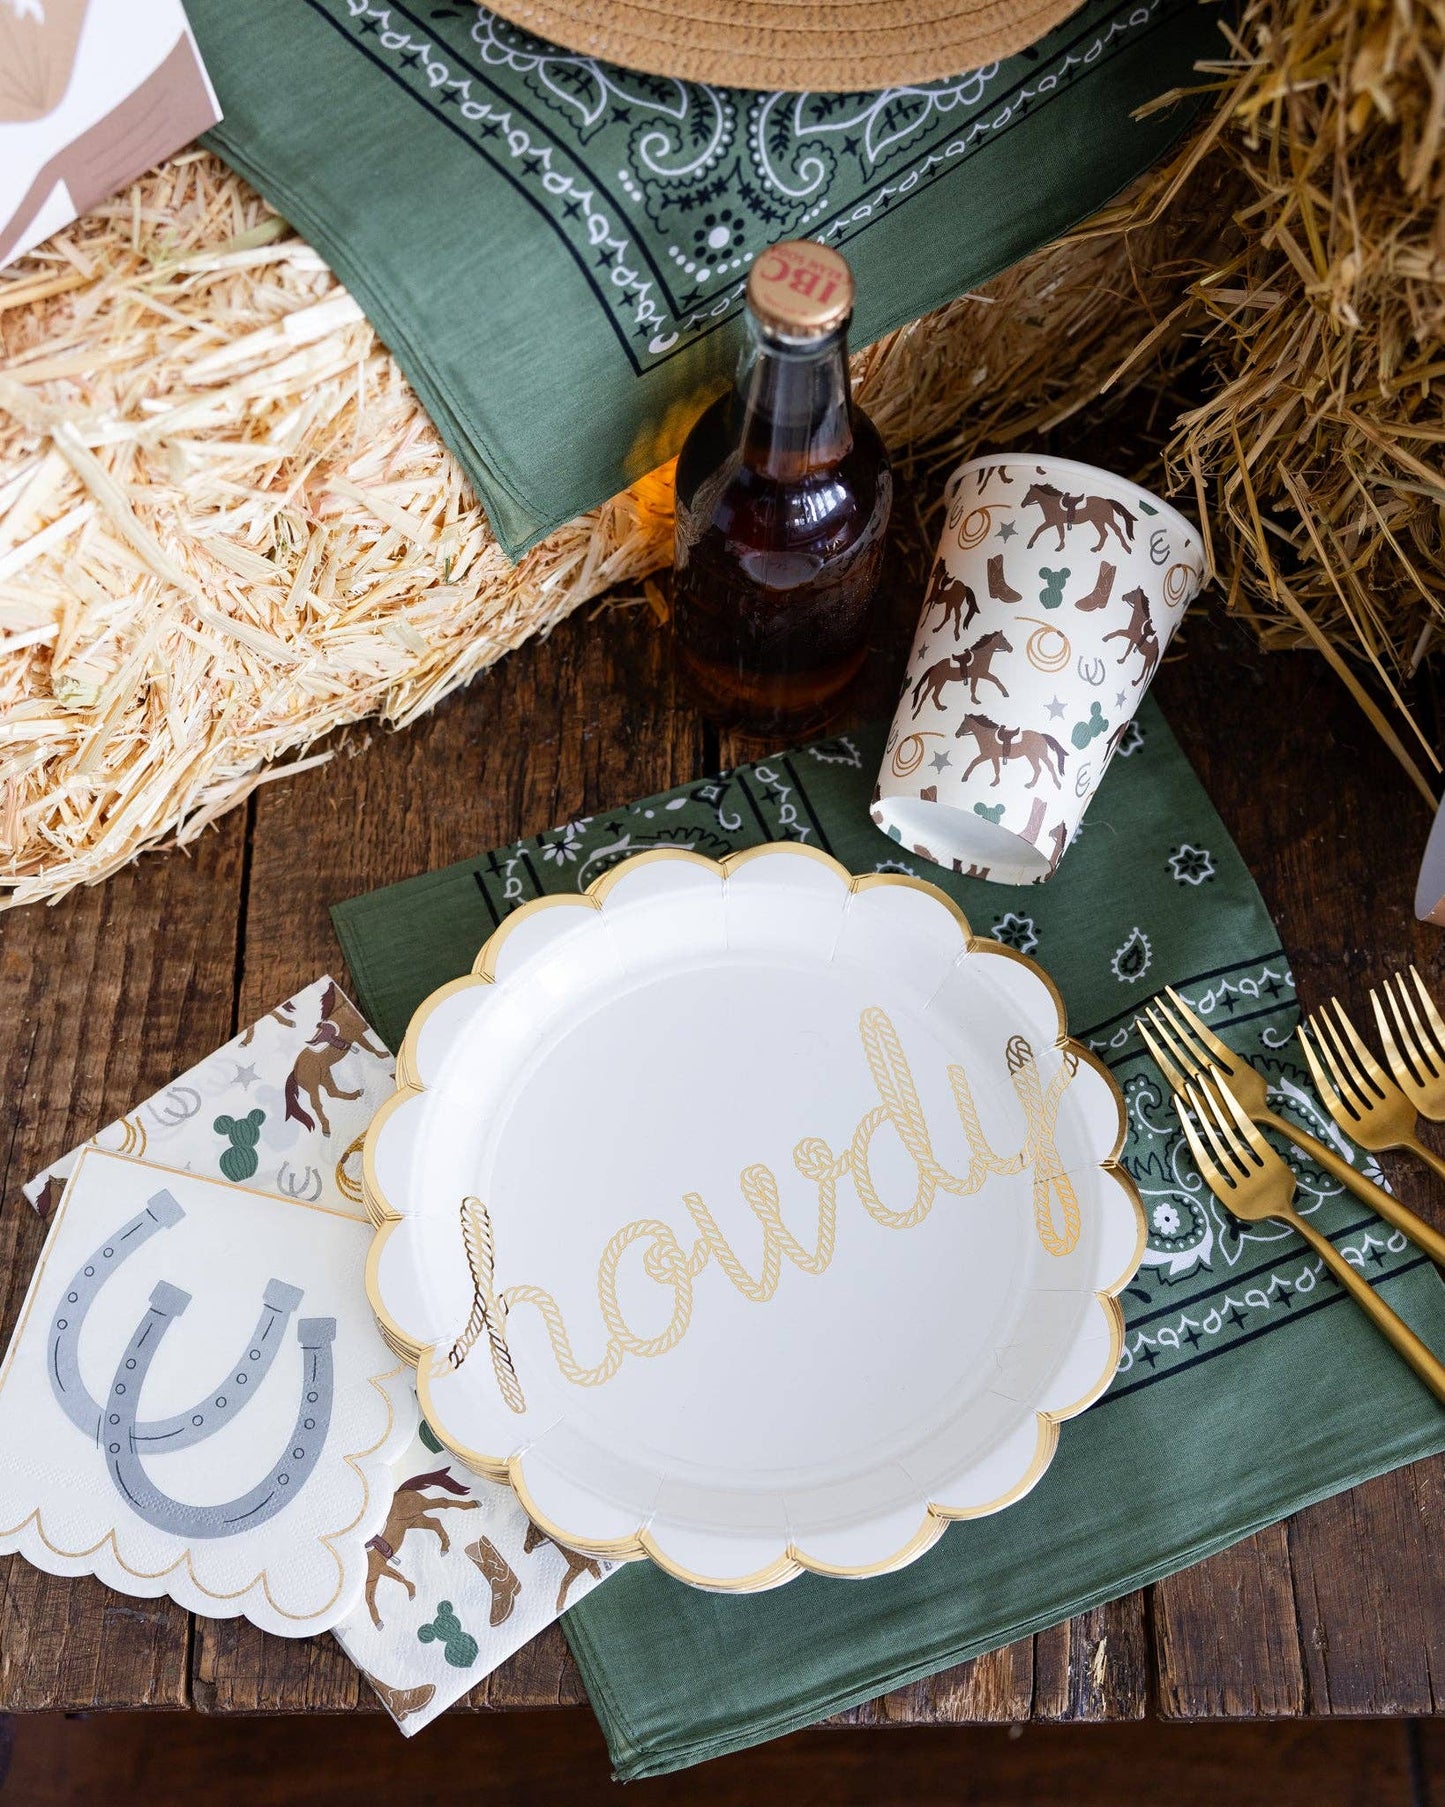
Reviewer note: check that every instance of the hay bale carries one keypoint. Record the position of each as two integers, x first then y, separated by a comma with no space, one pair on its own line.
227,529
1315,452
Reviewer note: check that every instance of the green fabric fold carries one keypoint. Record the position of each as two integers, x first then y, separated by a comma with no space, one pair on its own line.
555,249
1250,1386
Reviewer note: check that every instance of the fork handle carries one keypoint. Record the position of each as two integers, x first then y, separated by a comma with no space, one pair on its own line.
1423,1235
1390,1325
1428,1155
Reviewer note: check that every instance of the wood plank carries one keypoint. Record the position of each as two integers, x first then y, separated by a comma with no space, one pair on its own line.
1226,1646
1370,1601
992,1689
562,728
1096,1666
103,999
541,1674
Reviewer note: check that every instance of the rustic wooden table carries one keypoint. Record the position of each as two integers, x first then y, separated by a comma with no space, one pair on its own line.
1339,1611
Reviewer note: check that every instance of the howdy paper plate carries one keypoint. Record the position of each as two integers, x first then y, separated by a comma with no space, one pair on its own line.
751,1217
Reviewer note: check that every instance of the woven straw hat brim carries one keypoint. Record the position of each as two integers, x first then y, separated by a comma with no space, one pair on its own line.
827,45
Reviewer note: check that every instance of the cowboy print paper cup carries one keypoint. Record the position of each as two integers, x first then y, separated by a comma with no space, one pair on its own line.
1056,590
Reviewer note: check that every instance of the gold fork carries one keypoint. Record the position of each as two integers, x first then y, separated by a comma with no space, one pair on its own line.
1364,1100
1193,1048
1248,1178
1418,1059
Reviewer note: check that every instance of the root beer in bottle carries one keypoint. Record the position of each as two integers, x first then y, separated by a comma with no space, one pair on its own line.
783,495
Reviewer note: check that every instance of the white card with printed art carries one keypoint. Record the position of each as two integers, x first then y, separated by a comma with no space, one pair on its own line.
92,93
196,1401
751,1217
281,1108
458,1579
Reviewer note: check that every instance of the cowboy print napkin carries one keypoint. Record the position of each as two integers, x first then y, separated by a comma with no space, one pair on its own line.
456,1578
281,1108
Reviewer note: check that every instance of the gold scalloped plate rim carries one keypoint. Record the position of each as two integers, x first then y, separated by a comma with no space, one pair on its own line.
641,1545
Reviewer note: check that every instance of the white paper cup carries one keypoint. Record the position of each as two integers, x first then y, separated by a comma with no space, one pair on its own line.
1056,589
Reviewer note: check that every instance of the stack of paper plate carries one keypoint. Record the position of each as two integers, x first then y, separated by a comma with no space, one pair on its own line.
751,1217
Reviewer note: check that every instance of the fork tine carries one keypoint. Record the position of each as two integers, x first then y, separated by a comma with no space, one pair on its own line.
1181,1036
1214,1176
1327,1092
1167,1031
1206,1109
1423,1045
1402,1060
1365,1061
1431,1013
1337,1055
1224,1056
1173,1078
1244,1126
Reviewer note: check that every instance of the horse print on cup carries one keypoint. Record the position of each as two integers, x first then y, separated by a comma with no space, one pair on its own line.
1138,636
998,745
973,667
960,605
1061,512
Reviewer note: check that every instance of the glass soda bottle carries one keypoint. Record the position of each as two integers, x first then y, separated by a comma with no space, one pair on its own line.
783,496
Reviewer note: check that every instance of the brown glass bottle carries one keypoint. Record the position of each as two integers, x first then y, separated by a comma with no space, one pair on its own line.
783,496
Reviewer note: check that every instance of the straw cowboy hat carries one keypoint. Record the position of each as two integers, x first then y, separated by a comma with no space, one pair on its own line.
818,44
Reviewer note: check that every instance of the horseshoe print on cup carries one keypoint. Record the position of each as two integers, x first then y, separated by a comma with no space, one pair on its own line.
126,1441
1028,708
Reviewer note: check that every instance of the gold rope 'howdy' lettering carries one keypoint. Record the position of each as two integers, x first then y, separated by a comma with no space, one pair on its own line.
489,1313
667,1263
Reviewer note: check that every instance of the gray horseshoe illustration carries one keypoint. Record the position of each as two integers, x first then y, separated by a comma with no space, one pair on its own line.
218,1406
274,1491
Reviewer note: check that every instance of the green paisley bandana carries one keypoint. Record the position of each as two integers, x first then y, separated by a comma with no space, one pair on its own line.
1250,1385
555,249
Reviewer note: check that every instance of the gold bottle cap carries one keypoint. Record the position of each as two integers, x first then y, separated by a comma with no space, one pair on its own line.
800,289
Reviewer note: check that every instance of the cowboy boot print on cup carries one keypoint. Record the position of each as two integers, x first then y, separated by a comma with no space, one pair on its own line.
999,587
1103,589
